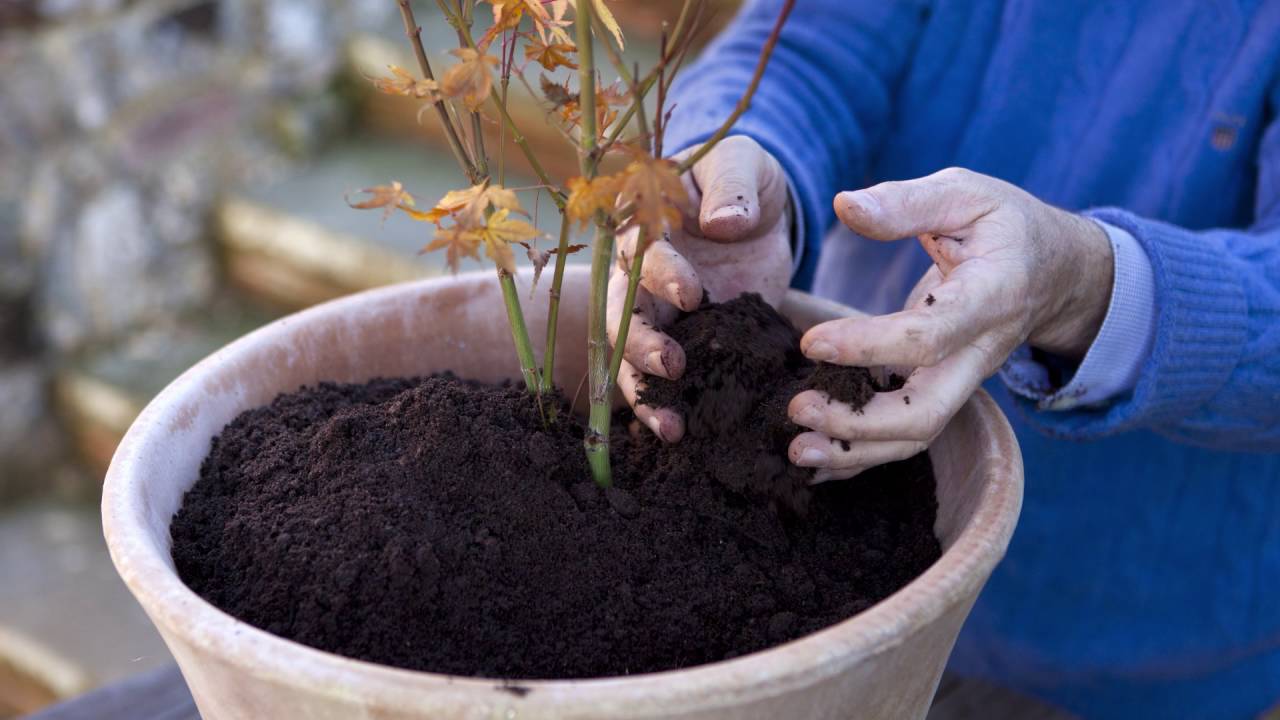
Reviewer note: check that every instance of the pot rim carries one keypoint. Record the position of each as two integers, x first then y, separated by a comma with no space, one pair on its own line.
147,570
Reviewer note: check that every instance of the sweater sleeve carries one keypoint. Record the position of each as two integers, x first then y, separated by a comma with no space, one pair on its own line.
1213,374
824,100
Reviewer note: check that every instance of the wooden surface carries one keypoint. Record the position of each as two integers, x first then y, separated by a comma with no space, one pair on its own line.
161,695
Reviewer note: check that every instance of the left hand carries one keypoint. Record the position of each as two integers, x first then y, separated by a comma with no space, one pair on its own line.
1008,269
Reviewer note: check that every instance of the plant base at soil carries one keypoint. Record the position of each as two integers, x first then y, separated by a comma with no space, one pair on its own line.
436,524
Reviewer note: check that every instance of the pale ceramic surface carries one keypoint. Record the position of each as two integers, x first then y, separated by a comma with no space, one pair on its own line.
882,663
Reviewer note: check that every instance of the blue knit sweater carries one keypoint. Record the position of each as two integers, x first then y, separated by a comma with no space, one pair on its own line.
1144,577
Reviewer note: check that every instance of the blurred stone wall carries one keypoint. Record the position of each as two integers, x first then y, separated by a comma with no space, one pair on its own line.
121,123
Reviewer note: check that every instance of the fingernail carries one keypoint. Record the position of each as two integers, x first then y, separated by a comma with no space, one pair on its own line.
813,457
807,416
820,350
656,426
654,365
728,211
673,289
863,202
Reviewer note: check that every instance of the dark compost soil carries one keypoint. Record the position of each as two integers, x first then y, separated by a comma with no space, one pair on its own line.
436,524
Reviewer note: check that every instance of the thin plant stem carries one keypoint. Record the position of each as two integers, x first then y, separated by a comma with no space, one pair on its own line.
624,322
596,440
557,196
678,36
508,58
627,76
477,139
745,101
553,310
519,332
414,33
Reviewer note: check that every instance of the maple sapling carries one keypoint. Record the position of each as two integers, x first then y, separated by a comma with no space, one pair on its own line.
646,196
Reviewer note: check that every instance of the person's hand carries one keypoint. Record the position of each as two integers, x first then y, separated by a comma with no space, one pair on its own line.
1008,269
739,242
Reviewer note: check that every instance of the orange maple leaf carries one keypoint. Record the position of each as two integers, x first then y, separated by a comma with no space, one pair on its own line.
586,197
499,231
459,243
506,16
653,186
388,197
469,79
469,206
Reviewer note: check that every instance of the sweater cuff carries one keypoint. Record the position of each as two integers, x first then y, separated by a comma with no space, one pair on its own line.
1200,332
1115,358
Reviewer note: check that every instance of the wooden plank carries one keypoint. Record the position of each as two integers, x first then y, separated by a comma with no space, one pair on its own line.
162,695
157,695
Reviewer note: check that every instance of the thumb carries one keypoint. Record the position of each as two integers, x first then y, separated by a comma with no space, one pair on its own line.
731,178
938,203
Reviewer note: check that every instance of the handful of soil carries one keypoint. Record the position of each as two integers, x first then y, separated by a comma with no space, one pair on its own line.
743,367
437,524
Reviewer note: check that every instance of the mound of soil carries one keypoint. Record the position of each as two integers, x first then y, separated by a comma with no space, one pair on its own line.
438,524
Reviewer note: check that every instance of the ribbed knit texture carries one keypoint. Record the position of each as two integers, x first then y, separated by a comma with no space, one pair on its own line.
1142,580
1201,331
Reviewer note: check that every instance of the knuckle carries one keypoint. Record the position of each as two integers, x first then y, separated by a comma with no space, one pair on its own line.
740,143
954,174
924,343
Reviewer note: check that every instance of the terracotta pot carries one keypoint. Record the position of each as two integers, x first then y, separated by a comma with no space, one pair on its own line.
882,663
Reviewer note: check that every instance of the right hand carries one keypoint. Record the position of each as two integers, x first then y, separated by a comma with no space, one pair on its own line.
739,242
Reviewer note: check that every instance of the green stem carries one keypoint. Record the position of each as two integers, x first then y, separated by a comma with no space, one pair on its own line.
624,322
553,310
596,441
414,33
600,385
519,332
477,135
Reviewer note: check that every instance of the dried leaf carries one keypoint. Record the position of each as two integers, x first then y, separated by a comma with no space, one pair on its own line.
405,84
469,79
558,95
458,242
539,258
586,197
550,56
388,197
608,99
654,187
